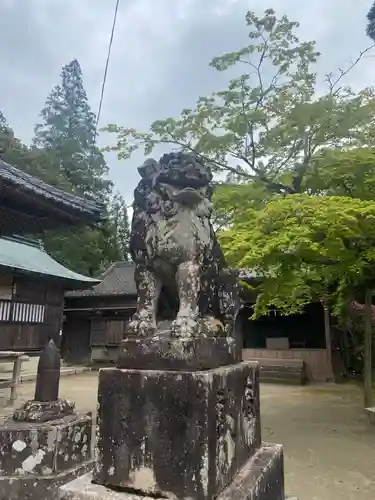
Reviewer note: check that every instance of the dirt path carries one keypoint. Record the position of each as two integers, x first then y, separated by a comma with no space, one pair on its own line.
329,445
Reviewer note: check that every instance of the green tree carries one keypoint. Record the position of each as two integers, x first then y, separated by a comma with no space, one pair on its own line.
370,30
120,221
68,130
306,248
92,250
67,136
116,231
81,249
31,159
230,199
7,140
3,122
269,122
343,172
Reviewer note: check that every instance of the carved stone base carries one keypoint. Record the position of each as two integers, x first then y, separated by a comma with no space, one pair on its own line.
261,478
38,411
168,353
176,434
50,451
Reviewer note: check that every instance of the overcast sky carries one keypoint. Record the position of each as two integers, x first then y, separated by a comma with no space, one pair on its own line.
160,54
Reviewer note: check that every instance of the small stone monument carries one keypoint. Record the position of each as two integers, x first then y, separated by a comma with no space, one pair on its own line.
46,443
179,416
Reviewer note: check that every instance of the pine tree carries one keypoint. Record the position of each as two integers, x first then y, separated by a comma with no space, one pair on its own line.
68,129
370,30
6,135
31,159
67,134
116,231
121,226
3,122
11,149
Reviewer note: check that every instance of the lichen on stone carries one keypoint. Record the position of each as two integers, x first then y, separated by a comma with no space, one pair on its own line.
181,273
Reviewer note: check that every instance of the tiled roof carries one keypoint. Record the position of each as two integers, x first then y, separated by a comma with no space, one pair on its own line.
31,185
118,279
24,255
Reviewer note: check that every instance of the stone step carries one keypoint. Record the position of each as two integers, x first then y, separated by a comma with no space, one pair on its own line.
280,378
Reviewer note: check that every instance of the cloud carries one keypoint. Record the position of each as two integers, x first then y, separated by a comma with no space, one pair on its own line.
160,54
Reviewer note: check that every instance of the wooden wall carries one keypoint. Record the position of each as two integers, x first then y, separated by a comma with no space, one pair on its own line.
30,314
317,360
94,323
107,332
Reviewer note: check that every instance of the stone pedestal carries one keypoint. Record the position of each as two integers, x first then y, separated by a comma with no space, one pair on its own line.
36,458
176,434
260,478
179,354
179,418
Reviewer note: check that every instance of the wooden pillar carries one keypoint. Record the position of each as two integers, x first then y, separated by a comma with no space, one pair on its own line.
327,333
367,368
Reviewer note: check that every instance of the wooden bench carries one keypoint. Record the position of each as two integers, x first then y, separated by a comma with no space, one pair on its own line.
17,358
371,413
284,371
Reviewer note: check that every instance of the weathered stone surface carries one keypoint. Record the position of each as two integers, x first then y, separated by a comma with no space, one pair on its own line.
37,458
43,449
181,273
40,487
179,416
261,478
178,434
48,375
46,405
166,353
38,411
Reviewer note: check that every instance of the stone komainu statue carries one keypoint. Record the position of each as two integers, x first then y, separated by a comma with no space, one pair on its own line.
181,273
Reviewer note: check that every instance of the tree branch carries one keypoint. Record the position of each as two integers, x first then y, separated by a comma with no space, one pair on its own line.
333,82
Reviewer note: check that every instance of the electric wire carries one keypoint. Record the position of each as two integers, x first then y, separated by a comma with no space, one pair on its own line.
106,66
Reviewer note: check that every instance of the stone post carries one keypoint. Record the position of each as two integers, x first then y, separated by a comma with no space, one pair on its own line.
45,443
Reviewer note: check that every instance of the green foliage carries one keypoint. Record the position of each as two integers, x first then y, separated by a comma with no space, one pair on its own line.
91,251
81,249
230,199
273,134
306,248
68,130
67,135
64,155
3,123
117,230
33,160
268,123
343,172
370,30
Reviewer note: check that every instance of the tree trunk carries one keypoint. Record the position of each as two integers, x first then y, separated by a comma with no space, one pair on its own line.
367,361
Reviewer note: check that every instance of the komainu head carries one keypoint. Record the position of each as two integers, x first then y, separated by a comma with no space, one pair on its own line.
176,180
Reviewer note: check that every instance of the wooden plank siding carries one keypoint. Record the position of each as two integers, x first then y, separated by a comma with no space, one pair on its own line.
107,332
23,329
316,360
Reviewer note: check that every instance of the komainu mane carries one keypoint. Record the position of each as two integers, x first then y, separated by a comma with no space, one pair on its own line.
181,273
